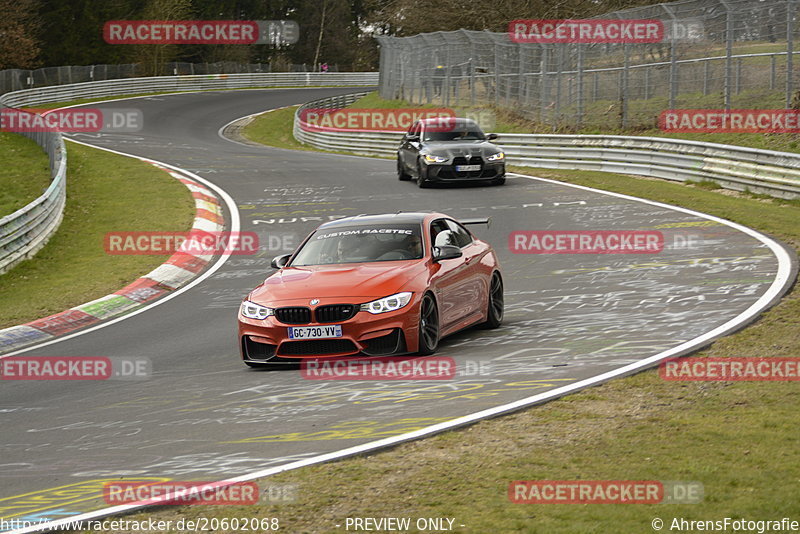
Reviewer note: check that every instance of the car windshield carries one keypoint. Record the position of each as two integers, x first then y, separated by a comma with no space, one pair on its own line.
359,244
467,133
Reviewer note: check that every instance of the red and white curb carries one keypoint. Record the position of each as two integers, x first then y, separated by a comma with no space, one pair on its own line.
179,269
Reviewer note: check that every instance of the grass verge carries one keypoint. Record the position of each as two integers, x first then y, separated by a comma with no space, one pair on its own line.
25,173
739,439
73,267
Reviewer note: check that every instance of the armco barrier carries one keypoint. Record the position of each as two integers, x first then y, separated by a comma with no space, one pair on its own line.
129,86
737,168
25,231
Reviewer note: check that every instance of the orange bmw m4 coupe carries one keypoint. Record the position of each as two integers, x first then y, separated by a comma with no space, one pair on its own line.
372,285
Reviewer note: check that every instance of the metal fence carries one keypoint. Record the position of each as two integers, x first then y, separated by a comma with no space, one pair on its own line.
743,57
733,167
17,79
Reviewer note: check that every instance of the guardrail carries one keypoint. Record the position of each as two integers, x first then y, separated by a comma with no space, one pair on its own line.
28,229
733,167
158,84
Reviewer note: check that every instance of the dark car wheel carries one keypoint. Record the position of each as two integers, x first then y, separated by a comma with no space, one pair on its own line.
401,171
428,326
422,180
496,307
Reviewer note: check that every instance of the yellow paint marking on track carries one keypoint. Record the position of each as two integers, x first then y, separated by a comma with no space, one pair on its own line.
37,501
352,430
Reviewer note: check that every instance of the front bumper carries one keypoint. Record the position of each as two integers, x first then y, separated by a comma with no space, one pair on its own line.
446,172
386,334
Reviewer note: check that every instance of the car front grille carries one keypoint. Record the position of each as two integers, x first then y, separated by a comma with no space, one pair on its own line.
474,160
317,347
449,172
335,312
294,315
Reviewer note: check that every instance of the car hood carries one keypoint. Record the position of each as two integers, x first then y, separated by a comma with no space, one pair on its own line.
461,148
352,281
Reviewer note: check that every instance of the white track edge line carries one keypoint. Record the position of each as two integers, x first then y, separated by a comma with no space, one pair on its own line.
781,280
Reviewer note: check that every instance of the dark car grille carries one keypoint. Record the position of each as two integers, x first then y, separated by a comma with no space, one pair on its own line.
298,315
449,171
318,347
474,160
335,312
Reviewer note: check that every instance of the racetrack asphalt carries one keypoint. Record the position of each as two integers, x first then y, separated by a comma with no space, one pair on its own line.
203,415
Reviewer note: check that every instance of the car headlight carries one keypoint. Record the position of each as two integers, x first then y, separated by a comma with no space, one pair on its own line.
500,156
387,304
435,159
255,311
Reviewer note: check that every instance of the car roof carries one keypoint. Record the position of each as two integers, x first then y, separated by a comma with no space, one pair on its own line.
400,217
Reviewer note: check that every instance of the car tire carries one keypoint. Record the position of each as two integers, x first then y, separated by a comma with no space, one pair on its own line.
428,332
402,175
422,181
496,303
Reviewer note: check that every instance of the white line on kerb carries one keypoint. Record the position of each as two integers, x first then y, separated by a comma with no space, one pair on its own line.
235,225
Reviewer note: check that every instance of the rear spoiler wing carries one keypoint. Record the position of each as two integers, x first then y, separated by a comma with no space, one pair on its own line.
481,220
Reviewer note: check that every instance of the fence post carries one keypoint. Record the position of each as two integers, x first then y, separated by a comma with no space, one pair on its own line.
625,79
789,51
772,70
706,75
557,109
728,54
496,76
579,118
738,75
543,93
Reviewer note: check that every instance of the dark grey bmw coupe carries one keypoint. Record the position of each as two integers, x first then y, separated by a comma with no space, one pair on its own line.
450,150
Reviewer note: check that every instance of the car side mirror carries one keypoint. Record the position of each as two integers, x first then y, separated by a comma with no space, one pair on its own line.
446,252
491,137
278,262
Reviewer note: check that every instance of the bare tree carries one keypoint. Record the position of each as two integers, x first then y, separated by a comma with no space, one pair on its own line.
154,56
19,46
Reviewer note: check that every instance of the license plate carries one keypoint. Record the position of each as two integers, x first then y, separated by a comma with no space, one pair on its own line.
467,168
315,332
